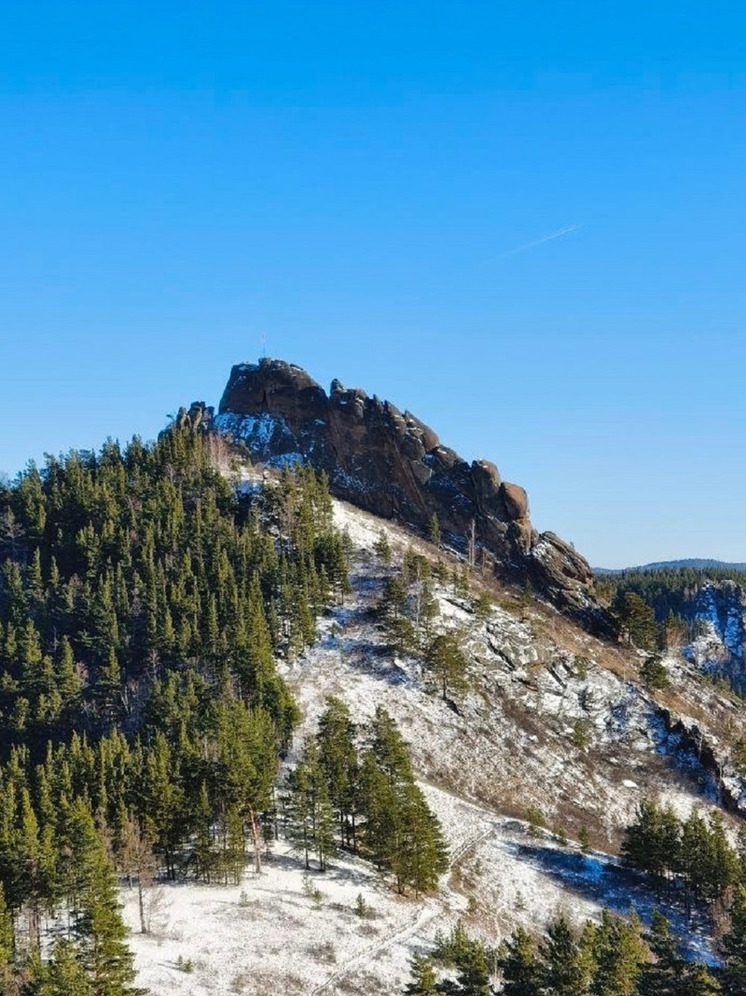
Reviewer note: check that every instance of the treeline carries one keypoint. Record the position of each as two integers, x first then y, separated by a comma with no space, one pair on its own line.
142,718
669,589
354,788
694,854
616,957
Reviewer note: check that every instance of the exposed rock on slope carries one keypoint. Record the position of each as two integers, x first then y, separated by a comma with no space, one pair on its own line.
390,463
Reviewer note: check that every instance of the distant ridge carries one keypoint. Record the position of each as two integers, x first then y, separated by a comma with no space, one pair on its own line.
692,563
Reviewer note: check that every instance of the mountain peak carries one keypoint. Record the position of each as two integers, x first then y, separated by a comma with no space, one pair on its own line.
394,465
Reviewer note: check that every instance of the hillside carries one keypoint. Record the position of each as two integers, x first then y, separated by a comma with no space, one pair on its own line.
309,747
511,747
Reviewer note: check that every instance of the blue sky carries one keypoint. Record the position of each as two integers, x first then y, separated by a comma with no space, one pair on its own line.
351,180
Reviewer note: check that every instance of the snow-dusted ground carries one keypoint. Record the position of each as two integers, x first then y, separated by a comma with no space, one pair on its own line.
267,935
512,744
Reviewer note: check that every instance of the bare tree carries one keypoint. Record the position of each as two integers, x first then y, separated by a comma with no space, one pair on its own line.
11,534
137,861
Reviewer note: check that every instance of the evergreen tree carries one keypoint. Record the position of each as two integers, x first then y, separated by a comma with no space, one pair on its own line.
700,982
473,977
654,674
99,929
7,944
424,980
638,621
338,758
419,852
563,970
618,955
520,966
449,663
66,975
664,975
734,946
383,548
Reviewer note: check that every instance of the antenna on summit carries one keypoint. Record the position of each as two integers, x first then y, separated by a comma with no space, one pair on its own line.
264,346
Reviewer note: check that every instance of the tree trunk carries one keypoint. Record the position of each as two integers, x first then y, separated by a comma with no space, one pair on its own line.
256,840
141,906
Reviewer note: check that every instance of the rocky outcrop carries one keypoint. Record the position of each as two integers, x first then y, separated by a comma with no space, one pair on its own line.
390,463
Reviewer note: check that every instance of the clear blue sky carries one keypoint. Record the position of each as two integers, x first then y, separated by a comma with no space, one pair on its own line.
351,179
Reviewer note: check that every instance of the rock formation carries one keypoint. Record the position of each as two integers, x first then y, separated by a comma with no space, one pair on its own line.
390,463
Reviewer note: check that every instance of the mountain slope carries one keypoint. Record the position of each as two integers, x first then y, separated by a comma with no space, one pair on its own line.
509,746
191,613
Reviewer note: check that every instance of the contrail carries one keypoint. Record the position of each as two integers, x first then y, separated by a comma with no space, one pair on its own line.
546,238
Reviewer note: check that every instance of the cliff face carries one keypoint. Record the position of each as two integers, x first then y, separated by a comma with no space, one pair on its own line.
389,463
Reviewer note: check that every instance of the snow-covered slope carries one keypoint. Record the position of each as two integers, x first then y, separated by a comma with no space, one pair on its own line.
555,723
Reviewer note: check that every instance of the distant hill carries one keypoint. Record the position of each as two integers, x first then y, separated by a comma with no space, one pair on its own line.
692,563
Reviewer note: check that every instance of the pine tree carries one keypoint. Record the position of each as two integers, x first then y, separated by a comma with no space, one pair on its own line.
483,606
65,975
654,674
663,976
734,946
68,680
400,833
520,966
419,853
618,955
424,980
324,824
473,977
107,689
638,621
653,842
700,982
7,944
30,865
383,548
203,853
339,761
99,929
449,664
563,971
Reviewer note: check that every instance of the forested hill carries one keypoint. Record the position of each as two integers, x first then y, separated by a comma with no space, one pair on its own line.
668,589
693,563
700,611
142,718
